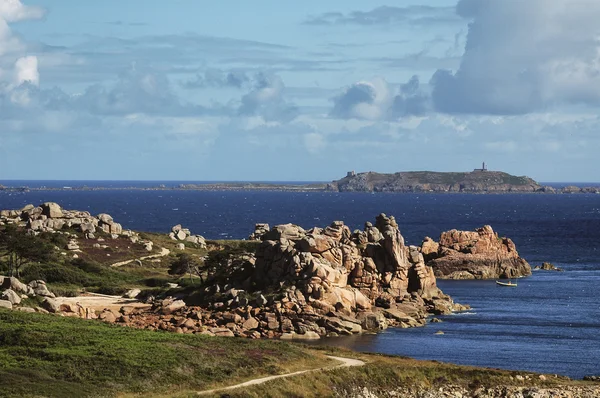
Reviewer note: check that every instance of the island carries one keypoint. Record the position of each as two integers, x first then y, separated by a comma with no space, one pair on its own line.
478,181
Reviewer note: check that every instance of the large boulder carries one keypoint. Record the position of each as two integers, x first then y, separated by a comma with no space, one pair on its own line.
15,285
39,288
11,296
6,304
479,254
51,305
51,210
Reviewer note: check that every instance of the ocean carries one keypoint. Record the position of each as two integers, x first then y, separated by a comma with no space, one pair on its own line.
550,323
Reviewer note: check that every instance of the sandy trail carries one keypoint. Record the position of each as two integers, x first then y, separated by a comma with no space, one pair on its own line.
163,252
98,302
346,362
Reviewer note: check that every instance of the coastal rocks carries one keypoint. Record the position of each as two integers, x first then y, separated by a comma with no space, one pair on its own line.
178,233
108,225
51,210
333,273
51,217
259,231
479,254
548,267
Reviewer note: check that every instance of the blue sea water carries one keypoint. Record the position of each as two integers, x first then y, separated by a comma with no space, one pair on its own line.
549,323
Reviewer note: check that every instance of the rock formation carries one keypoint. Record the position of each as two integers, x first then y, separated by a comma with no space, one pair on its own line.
328,281
303,284
13,292
474,255
183,234
49,217
548,267
427,181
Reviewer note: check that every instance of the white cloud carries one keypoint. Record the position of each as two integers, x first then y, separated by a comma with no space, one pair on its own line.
524,56
374,100
14,11
26,70
266,99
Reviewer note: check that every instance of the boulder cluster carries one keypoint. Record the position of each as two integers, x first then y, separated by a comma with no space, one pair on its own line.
178,233
336,281
304,284
479,254
49,217
13,292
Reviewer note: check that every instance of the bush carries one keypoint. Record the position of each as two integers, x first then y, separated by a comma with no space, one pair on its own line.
57,273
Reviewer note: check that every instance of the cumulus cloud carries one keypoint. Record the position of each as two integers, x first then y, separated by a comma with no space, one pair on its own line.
373,100
363,100
26,70
14,11
523,56
219,79
386,15
135,91
266,99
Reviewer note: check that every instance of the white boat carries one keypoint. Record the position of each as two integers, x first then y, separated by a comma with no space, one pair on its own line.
509,283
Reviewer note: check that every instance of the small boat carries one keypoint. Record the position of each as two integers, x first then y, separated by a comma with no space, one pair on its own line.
509,283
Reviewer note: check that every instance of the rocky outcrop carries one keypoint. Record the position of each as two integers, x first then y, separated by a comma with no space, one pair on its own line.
259,231
302,284
49,217
479,254
427,181
179,233
13,293
548,267
333,281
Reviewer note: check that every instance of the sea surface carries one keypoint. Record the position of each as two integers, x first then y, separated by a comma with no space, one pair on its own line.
550,323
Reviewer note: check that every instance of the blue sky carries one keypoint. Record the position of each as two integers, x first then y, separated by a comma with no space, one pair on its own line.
271,90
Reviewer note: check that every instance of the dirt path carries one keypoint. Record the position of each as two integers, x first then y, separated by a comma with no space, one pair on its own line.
98,302
163,252
346,362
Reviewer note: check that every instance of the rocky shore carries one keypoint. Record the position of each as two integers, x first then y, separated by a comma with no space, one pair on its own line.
304,284
292,283
479,254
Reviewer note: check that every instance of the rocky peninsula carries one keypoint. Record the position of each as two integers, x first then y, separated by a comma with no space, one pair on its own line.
283,282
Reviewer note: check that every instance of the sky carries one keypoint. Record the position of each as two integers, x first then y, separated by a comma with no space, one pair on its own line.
298,91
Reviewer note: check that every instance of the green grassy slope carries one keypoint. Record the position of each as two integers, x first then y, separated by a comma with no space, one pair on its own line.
50,356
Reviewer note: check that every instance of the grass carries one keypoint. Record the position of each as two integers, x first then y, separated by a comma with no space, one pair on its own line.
384,374
50,356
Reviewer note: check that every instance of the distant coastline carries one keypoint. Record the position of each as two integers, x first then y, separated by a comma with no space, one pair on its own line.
480,181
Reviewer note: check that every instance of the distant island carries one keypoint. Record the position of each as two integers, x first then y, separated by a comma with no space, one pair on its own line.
477,181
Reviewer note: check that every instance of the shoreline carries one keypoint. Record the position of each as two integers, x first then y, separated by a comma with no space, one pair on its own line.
300,189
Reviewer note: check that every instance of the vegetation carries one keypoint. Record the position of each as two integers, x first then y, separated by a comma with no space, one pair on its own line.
18,249
33,257
50,356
